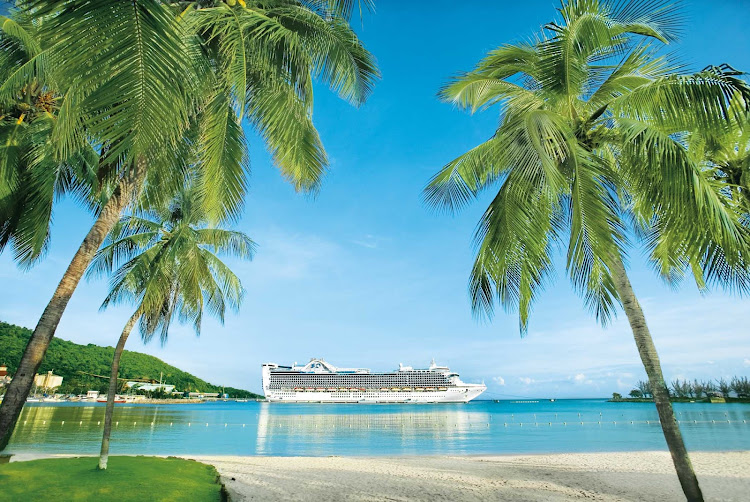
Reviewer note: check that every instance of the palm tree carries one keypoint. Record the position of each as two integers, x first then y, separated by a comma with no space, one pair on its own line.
590,141
725,152
160,88
31,175
167,264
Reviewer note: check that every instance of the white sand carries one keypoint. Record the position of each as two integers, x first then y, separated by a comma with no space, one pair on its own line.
640,476
637,476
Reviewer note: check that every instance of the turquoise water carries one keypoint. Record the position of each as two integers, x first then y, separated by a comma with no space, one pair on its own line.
477,428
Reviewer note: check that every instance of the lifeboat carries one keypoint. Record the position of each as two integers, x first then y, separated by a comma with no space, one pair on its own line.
419,389
298,389
343,389
309,389
396,389
362,389
406,389
354,389
384,389
442,388
332,389
320,389
429,389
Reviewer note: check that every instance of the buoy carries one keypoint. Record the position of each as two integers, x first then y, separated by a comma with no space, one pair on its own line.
97,423
80,423
152,424
44,422
62,423
117,423
188,424
170,424
134,423
206,424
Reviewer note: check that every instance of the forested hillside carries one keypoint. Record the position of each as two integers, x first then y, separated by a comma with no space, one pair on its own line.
78,363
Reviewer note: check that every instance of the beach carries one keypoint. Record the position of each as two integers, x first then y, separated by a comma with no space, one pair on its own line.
641,476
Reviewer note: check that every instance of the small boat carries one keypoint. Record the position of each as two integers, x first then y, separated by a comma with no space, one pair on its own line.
118,399
33,400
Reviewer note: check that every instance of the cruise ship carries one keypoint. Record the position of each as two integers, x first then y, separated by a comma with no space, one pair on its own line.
320,382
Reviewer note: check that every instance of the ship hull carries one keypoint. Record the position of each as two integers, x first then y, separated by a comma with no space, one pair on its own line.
462,394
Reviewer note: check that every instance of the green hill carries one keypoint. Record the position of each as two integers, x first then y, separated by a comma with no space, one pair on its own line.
78,363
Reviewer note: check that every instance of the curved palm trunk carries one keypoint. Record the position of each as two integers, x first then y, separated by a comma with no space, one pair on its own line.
651,363
109,411
19,387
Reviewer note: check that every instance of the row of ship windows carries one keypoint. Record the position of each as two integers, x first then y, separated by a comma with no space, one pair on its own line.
344,379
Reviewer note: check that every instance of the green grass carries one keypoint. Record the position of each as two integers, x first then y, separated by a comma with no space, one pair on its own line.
126,479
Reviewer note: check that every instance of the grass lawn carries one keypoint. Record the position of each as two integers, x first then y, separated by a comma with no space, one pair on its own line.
126,479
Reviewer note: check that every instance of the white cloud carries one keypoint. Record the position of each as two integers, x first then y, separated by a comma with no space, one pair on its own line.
746,362
499,380
526,380
368,241
579,378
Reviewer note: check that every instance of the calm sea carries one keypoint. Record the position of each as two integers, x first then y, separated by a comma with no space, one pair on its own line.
480,427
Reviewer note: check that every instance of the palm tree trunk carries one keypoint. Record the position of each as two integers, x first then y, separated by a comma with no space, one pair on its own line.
651,363
109,411
18,390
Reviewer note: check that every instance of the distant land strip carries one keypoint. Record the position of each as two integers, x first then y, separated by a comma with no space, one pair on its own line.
79,365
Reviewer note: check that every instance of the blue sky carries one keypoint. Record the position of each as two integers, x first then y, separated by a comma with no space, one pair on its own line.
364,275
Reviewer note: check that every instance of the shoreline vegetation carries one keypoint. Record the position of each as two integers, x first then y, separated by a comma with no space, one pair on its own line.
681,400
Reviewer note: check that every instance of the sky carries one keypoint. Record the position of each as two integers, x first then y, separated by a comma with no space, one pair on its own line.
364,275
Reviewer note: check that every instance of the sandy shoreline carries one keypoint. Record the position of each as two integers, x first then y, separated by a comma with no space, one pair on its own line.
632,476
641,476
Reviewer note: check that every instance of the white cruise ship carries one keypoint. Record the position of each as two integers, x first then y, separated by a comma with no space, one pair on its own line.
320,382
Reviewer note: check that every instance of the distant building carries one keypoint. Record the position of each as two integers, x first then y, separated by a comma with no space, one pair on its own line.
48,381
4,376
201,395
92,394
150,387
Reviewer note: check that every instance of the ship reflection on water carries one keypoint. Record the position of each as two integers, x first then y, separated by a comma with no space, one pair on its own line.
450,427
